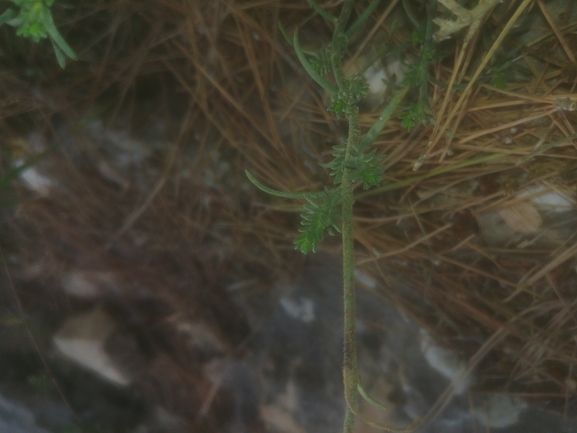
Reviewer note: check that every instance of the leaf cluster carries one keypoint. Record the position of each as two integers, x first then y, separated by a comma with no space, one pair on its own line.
321,214
33,19
321,60
414,115
366,166
349,95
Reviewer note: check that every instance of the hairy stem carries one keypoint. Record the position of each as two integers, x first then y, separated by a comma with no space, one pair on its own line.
350,374
336,55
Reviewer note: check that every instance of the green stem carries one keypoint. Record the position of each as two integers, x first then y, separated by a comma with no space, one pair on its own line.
343,18
327,16
337,52
354,28
426,60
312,73
378,126
299,195
350,374
349,423
410,14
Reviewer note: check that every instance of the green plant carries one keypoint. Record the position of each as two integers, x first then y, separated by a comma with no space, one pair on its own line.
418,73
354,164
33,19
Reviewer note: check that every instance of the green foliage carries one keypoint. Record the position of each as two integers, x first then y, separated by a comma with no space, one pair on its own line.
321,215
321,61
418,74
414,115
331,210
33,19
418,36
413,75
347,97
500,79
365,166
505,70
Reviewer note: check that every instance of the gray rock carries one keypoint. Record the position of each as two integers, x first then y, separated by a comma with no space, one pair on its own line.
15,418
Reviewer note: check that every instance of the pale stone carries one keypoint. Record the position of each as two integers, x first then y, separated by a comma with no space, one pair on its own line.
81,339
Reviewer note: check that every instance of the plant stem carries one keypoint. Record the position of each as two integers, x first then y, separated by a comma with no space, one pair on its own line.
343,18
373,133
426,60
298,195
354,28
350,374
336,55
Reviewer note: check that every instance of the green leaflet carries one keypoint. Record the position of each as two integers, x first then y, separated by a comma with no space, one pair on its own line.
321,215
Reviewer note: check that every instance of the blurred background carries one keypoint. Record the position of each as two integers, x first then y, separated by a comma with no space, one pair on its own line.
146,286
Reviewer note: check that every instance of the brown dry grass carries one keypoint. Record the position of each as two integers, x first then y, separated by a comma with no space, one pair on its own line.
229,89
